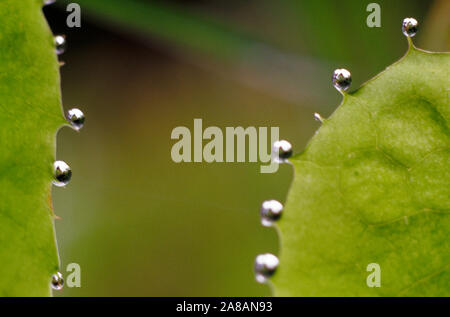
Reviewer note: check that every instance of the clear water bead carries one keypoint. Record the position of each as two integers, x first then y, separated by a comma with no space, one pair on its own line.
265,266
271,211
62,173
342,79
60,44
283,148
76,117
318,117
57,282
410,27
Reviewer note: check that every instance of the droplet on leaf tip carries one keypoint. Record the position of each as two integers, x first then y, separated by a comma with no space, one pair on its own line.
283,148
76,118
318,117
410,27
265,266
61,173
271,211
60,44
342,79
57,282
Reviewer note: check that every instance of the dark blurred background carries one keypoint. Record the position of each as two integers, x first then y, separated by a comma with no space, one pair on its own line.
140,224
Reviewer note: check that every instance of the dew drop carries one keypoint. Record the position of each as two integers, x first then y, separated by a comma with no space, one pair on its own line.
410,27
265,266
57,282
60,44
271,211
62,173
318,117
76,118
283,148
342,79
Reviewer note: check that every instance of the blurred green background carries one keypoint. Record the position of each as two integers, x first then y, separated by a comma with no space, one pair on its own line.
140,224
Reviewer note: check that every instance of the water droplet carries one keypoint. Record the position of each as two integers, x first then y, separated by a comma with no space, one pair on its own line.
76,118
342,79
410,27
270,212
265,266
283,148
62,173
57,282
318,117
60,44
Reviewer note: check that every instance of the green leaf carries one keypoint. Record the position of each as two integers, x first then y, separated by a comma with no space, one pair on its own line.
30,115
373,186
